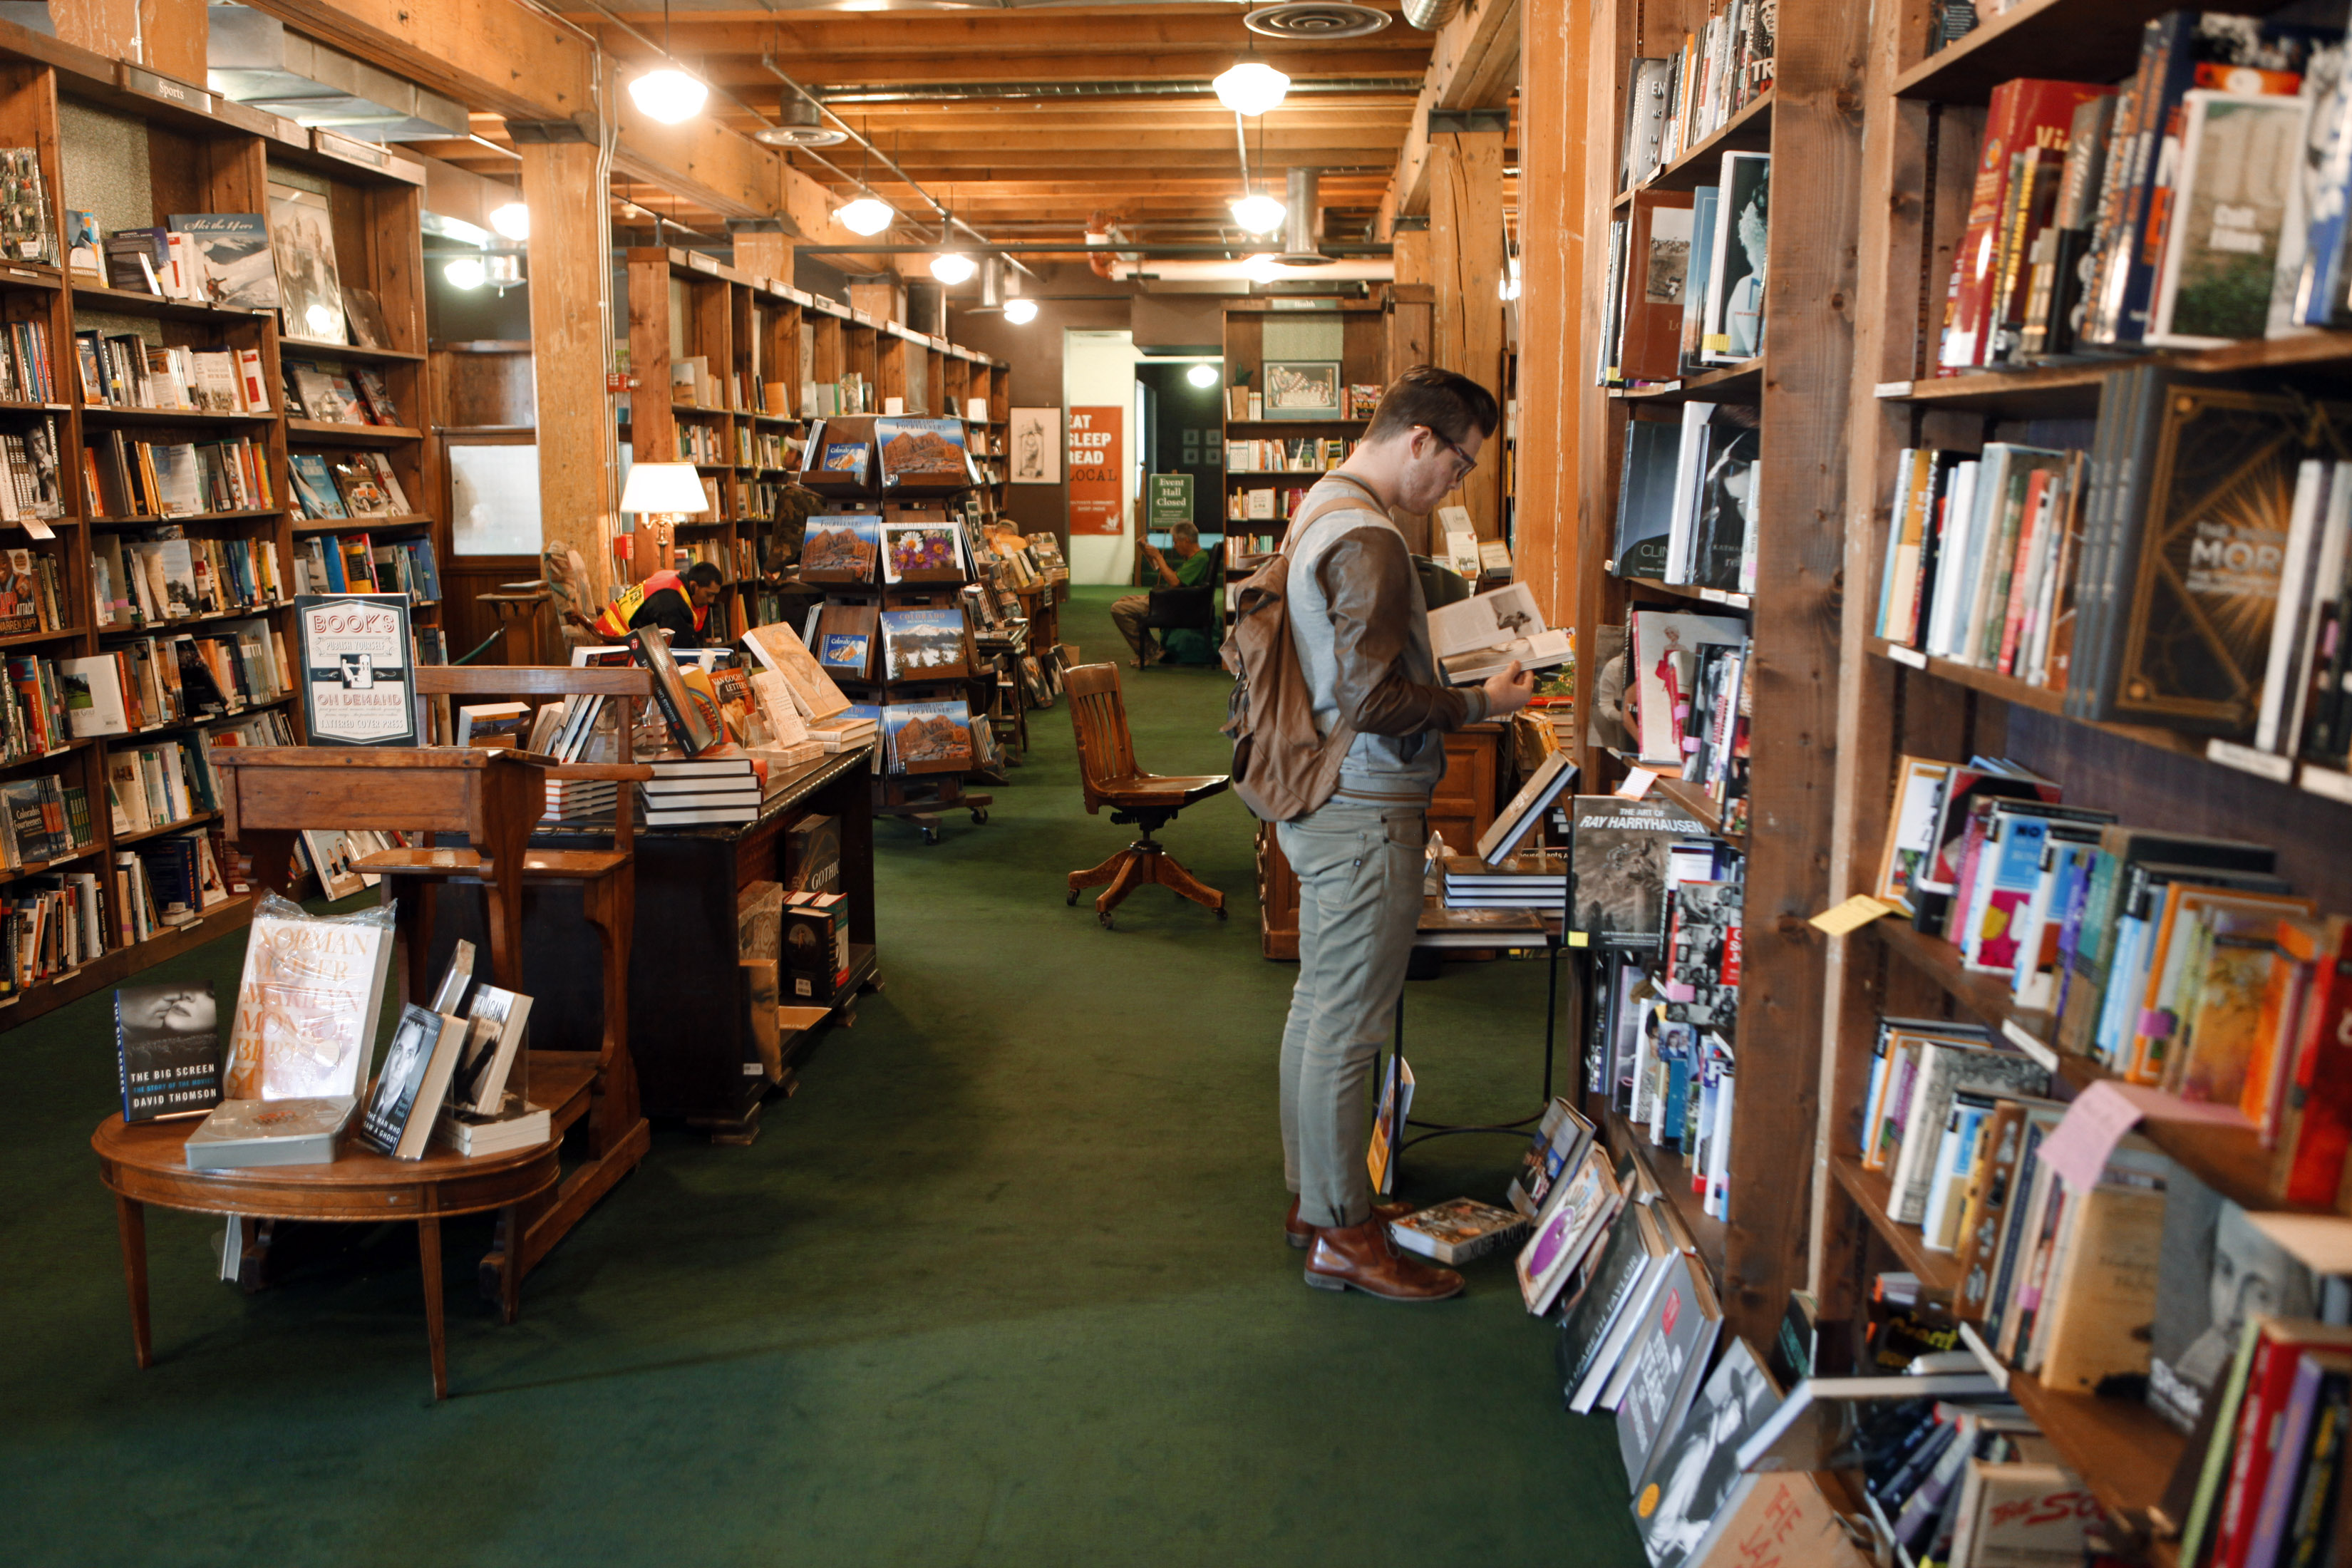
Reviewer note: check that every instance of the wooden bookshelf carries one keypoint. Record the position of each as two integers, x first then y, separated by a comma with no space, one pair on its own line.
1364,360
199,153
1798,387
756,332
1627,1143
1922,119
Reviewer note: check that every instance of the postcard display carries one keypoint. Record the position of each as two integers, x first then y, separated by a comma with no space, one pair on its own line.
892,548
168,488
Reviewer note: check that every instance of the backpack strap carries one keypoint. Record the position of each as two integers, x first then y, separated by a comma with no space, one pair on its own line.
1314,513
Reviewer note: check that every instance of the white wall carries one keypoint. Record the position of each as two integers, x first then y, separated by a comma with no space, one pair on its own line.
1098,368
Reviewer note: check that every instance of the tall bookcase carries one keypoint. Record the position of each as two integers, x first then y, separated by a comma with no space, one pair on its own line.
1923,118
756,334
135,146
1798,387
1364,360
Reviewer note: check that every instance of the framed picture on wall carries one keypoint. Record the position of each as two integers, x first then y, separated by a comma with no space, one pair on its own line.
1034,446
1303,389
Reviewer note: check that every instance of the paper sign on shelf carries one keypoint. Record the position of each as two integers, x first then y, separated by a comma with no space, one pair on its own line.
2086,1136
1637,784
1852,915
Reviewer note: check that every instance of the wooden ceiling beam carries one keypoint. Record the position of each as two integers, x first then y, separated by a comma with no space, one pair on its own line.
1475,65
488,54
748,78
969,35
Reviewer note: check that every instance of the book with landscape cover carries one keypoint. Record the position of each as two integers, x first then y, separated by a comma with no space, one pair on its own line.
840,548
167,1050
923,644
306,1004
241,272
928,737
922,457
1619,858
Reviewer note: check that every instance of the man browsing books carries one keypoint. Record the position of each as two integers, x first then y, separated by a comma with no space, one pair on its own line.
1358,627
1189,570
677,601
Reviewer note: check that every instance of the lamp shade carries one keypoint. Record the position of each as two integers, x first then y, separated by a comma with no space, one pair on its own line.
668,95
664,486
1252,87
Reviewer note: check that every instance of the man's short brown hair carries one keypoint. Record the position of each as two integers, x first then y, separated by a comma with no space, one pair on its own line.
1442,400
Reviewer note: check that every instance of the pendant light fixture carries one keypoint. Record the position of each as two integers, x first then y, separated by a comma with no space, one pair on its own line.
869,214
1021,312
952,267
1258,213
666,93
1252,87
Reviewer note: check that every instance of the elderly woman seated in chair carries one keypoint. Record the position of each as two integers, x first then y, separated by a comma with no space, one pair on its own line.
1181,617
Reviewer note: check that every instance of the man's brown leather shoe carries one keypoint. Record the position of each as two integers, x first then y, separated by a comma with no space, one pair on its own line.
1362,1255
1302,1235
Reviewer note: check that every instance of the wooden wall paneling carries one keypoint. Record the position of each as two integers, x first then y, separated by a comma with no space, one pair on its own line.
571,333
890,365
743,335
1891,233
482,385
827,354
1587,530
1364,351
1407,324
1800,513
882,296
1246,350
1465,240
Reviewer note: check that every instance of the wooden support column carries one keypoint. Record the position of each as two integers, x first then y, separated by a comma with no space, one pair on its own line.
1561,37
571,288
1465,261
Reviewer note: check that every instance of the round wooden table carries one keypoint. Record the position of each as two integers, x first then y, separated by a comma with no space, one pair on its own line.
147,1163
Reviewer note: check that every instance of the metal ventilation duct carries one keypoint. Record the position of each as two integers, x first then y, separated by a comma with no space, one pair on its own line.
800,123
1431,14
253,58
1000,92
1316,21
1302,204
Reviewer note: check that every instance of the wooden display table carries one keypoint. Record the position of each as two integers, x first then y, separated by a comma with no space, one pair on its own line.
147,1163
690,1037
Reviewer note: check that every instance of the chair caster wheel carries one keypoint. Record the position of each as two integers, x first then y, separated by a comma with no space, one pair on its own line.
1106,921
979,817
1220,914
1072,900
931,835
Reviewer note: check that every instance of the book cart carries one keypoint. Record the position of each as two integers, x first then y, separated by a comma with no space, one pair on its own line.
134,147
1923,118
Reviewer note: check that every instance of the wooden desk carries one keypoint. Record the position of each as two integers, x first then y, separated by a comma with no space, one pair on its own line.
148,1164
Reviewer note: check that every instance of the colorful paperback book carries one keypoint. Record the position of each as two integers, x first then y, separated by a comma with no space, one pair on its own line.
355,669
239,271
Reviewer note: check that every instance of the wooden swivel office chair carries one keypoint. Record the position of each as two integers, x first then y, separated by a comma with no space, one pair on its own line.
600,1085
1107,769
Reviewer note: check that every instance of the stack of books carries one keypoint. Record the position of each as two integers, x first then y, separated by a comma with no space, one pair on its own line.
843,733
580,800
701,792
1532,881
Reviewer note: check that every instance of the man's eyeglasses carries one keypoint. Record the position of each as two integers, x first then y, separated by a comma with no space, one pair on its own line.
1461,456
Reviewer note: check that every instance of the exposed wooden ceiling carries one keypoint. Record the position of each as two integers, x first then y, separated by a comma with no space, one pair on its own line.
1162,167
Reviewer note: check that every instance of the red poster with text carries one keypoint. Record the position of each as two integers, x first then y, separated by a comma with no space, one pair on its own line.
1095,471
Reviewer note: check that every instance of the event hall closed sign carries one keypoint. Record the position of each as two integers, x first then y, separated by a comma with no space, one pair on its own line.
1096,505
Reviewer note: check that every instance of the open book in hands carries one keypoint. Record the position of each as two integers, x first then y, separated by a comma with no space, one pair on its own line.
1485,634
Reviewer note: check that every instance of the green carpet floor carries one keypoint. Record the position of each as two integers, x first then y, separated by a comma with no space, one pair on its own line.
1004,1284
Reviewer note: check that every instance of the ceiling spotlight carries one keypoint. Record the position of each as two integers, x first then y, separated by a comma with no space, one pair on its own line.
465,272
953,268
1021,312
1259,214
513,220
1201,375
1262,268
1252,87
668,95
866,215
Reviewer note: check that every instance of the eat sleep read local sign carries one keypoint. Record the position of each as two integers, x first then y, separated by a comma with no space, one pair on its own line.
1093,462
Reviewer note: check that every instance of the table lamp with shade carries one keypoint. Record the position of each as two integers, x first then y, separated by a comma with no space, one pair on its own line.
663,495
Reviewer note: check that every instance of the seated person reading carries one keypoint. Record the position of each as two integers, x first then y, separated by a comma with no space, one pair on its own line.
677,601
1190,569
